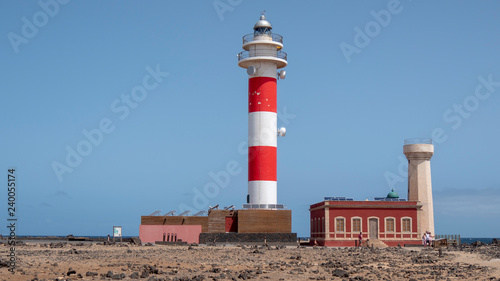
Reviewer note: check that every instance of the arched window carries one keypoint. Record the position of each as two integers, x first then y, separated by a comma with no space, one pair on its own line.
390,224
356,225
405,224
340,224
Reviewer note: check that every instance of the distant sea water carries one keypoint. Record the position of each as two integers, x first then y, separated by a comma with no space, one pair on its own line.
467,240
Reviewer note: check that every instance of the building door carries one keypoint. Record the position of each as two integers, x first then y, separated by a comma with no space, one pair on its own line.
373,228
231,224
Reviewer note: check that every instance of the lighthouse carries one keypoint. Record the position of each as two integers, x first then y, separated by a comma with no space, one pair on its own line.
262,57
261,218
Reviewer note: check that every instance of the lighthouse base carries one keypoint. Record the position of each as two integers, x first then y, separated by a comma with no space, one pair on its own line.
250,225
264,221
254,226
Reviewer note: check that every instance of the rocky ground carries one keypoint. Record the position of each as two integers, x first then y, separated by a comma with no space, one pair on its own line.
96,261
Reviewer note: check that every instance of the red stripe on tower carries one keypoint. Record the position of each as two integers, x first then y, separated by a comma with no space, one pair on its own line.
262,94
262,163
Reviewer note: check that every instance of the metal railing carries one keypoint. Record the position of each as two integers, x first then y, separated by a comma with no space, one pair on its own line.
264,206
451,239
418,141
264,53
275,37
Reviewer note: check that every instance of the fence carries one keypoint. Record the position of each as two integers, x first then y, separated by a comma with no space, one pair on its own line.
451,239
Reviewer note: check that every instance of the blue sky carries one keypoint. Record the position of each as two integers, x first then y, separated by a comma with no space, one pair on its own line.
363,76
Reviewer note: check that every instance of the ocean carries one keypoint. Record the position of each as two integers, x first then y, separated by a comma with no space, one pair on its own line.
467,240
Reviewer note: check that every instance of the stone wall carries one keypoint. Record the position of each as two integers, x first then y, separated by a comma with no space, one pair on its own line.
249,238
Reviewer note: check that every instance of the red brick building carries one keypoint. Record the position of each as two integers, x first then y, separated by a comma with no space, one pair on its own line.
338,223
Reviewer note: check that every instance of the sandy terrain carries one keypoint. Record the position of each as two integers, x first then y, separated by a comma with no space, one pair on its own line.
91,261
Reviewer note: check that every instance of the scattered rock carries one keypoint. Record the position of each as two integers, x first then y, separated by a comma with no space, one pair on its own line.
4,263
477,243
340,273
135,241
250,263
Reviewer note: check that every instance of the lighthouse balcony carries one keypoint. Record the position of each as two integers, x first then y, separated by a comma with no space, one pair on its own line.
268,39
246,58
264,206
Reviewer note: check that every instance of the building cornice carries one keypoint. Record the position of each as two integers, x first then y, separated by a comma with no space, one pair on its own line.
366,206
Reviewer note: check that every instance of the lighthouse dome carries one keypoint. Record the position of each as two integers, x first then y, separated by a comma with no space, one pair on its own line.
262,23
392,194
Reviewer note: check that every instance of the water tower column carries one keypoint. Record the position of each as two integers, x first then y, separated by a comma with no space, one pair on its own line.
419,182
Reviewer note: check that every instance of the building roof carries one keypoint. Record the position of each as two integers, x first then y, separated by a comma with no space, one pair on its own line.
392,194
262,23
366,204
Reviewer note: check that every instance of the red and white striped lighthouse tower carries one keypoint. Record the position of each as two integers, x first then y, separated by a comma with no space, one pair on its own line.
262,57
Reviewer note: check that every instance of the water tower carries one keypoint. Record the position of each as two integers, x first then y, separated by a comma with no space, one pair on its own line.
419,153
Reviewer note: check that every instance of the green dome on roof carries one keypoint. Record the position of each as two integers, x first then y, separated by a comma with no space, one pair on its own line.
392,194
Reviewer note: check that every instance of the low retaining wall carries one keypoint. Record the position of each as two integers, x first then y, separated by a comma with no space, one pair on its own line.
353,243
249,238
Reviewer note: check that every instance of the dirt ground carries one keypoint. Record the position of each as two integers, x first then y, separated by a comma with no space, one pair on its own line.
91,261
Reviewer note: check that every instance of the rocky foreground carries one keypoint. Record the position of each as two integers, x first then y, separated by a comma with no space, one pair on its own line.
90,261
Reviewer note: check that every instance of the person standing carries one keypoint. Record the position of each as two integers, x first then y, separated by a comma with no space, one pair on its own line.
427,238
360,238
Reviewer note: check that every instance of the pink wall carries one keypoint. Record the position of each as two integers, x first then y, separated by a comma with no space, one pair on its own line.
153,233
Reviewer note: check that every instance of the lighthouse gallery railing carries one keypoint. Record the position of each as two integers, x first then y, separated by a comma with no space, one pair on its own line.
265,53
275,37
